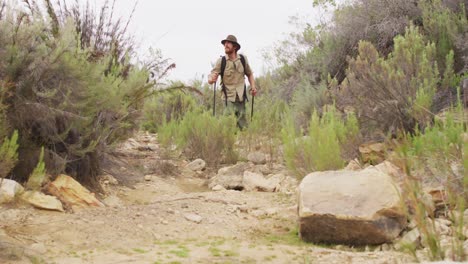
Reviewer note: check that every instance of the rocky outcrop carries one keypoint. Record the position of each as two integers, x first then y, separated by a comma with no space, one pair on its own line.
71,193
350,207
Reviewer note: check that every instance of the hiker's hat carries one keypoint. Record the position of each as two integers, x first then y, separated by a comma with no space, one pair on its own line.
232,39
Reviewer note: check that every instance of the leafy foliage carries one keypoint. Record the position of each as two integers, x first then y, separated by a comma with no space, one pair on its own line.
201,135
321,148
84,93
397,92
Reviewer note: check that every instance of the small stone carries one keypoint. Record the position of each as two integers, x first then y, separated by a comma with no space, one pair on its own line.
38,248
193,218
164,222
218,188
257,158
258,213
386,247
170,211
271,211
196,165
148,177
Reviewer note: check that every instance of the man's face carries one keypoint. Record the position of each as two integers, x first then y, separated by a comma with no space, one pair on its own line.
229,47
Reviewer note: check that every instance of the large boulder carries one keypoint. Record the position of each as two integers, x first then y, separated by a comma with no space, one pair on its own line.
231,177
350,207
72,193
8,190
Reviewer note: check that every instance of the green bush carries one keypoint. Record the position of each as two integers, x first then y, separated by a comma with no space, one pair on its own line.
166,107
84,98
321,149
437,156
264,130
393,93
200,135
38,176
8,154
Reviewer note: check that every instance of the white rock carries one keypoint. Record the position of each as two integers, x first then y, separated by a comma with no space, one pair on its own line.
148,177
38,248
8,190
193,218
256,182
218,188
196,165
113,201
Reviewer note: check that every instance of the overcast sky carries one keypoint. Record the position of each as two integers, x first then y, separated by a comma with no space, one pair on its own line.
189,32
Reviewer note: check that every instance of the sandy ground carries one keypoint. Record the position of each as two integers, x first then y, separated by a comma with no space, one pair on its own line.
171,219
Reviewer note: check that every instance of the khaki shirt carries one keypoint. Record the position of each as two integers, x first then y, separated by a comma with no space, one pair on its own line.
234,79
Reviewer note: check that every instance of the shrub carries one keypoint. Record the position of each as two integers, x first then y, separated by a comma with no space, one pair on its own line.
397,92
437,156
8,154
201,135
321,148
264,130
83,98
165,108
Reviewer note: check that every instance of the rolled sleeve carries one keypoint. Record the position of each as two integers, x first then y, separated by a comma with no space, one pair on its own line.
217,67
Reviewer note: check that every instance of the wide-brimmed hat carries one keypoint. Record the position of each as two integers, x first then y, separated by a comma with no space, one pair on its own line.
233,39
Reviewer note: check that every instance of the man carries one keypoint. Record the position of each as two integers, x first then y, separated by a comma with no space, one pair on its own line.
232,79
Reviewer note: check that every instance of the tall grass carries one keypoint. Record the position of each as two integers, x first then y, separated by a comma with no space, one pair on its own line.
201,135
322,147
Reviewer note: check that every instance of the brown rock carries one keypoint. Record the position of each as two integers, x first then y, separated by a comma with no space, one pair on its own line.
71,193
349,207
42,201
372,153
353,165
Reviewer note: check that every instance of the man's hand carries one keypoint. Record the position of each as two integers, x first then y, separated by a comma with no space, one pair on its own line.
212,78
253,91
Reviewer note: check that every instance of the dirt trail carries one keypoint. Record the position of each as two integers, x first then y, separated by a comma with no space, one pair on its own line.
166,219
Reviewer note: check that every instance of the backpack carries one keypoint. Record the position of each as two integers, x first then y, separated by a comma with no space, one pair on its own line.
223,67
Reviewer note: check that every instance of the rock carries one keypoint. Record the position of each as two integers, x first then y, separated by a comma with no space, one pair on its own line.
258,213
42,201
8,190
109,179
257,158
230,177
193,218
372,153
38,248
218,188
442,226
196,165
392,170
413,238
113,201
71,193
256,182
349,207
353,165
148,177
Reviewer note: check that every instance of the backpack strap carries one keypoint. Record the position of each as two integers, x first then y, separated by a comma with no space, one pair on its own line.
223,88
223,67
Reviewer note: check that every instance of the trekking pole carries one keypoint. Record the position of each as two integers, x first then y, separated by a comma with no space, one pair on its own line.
214,99
251,111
